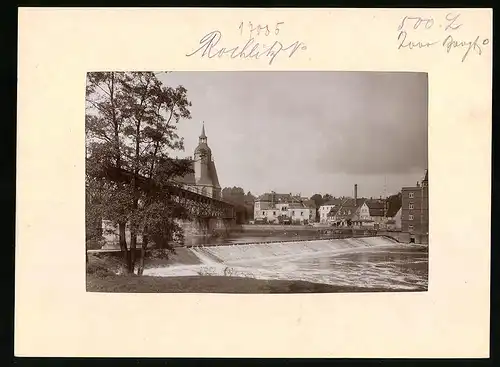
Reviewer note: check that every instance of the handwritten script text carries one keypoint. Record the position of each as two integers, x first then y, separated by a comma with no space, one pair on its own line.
412,35
211,45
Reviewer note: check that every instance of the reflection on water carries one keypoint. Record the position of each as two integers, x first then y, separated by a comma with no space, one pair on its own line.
375,262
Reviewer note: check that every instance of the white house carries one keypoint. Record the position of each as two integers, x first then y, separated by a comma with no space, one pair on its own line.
327,207
283,208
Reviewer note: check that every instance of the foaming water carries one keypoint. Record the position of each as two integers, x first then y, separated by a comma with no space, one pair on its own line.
375,262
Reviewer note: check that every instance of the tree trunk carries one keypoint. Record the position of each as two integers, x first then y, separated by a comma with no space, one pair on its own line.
123,245
133,247
143,254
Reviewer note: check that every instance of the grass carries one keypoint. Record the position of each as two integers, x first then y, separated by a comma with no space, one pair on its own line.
209,284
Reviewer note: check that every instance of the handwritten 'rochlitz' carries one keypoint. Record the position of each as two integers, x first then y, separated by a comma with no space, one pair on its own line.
250,50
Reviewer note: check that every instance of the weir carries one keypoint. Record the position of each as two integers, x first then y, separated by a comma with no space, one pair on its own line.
231,253
367,262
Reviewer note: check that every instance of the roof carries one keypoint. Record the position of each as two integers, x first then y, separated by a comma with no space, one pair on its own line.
348,209
393,210
213,174
377,207
265,206
283,198
211,180
333,202
310,203
203,136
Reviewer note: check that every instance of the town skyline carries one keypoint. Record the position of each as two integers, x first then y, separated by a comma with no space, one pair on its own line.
345,130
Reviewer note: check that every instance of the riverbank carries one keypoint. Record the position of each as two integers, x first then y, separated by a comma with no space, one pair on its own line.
210,284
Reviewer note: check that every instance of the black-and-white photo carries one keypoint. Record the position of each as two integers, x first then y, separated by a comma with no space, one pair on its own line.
257,182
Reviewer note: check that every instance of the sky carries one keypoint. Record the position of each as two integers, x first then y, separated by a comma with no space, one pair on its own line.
309,132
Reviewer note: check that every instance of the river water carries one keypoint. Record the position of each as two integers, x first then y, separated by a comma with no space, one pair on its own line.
369,262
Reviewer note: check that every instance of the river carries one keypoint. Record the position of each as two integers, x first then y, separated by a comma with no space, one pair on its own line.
369,262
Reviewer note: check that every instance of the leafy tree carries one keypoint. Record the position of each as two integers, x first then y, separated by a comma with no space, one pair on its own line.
131,128
243,202
318,200
327,197
394,202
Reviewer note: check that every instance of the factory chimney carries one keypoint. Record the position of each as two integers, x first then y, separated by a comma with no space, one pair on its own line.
355,194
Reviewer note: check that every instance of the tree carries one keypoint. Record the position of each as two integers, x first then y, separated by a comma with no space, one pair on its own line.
394,203
318,200
243,202
327,197
131,128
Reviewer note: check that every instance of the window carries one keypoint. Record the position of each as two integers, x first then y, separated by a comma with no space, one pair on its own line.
410,195
263,213
410,206
293,212
410,217
274,213
302,213
410,228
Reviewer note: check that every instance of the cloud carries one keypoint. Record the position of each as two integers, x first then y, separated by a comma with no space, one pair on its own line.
309,130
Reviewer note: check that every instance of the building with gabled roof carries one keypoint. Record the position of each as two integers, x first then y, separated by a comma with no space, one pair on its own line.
327,207
283,208
348,212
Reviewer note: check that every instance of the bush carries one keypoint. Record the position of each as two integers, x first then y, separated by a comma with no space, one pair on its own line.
94,244
102,266
98,270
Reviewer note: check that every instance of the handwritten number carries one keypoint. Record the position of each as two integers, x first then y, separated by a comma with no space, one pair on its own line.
277,29
427,22
265,29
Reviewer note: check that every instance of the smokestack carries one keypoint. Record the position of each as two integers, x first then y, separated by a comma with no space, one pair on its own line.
355,194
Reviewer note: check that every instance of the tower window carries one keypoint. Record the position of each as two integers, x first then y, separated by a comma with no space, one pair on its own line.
411,195
410,217
411,206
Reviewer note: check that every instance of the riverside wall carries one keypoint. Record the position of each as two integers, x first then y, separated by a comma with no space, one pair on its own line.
193,230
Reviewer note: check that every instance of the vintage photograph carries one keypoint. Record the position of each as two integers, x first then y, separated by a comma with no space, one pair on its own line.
256,182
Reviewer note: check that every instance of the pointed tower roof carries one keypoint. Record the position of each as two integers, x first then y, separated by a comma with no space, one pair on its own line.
203,136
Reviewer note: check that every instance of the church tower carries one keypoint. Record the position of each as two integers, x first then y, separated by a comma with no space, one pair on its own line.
204,168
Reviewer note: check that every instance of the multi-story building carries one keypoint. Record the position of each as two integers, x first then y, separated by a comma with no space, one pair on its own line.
378,211
347,214
332,204
415,210
283,208
357,212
